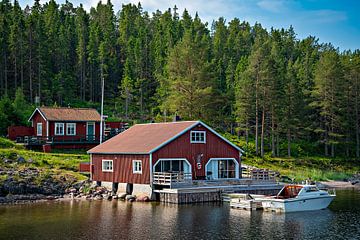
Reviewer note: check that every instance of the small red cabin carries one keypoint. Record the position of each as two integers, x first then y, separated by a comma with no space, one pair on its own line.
161,153
64,127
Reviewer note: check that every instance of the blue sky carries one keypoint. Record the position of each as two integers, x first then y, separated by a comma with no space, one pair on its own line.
335,21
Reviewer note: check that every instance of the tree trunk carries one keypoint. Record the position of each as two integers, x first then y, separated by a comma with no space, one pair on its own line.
272,133
277,145
5,73
289,142
21,66
256,118
30,68
15,72
357,123
262,131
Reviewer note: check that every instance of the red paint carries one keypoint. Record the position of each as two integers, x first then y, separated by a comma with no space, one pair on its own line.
19,131
37,118
215,147
181,147
84,167
122,169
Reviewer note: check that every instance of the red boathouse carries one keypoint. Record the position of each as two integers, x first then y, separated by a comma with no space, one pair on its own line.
157,154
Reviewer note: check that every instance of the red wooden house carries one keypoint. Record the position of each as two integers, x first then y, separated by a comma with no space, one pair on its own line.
64,127
157,153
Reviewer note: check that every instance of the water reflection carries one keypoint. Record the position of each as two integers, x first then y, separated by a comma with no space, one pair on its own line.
121,220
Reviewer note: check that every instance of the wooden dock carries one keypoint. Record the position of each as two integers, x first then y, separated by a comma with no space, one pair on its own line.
213,193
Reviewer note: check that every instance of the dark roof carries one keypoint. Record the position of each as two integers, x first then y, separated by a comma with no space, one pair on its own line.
147,138
68,114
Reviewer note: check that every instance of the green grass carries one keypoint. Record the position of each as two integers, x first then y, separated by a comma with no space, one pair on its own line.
54,165
6,143
302,168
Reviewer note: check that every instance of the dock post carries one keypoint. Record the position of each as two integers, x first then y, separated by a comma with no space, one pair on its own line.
114,189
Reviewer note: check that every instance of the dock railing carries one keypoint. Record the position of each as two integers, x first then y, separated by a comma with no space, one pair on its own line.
258,174
171,178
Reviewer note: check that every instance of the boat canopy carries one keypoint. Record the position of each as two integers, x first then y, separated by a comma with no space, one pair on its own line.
289,191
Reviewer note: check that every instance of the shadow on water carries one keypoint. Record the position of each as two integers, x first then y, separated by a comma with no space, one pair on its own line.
122,220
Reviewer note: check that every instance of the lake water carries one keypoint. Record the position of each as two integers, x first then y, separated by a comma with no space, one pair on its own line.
122,220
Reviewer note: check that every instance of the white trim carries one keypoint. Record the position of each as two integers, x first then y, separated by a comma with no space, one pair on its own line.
42,115
150,169
197,131
173,159
173,138
102,165
67,124
63,129
134,166
37,129
91,167
47,128
217,159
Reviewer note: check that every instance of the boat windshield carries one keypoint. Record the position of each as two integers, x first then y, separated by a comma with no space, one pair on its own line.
289,191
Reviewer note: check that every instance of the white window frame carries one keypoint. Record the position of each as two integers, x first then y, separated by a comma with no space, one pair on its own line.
135,166
109,161
67,129
63,130
197,132
39,133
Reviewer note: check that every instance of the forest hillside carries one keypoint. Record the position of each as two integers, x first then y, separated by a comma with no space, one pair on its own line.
282,95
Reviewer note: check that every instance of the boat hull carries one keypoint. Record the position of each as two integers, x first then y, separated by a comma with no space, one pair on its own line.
297,205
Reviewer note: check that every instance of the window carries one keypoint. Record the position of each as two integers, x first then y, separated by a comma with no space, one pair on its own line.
137,166
198,137
59,128
70,129
107,165
39,129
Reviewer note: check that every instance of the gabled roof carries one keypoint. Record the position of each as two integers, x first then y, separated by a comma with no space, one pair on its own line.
147,138
68,114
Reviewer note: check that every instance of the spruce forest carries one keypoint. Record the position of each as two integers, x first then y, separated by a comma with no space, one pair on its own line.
282,95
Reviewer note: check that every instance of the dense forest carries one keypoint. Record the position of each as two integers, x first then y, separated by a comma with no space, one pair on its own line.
280,93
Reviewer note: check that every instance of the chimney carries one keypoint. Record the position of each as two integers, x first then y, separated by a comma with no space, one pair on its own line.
176,118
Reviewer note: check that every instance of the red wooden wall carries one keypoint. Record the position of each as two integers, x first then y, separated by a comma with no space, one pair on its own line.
181,147
37,118
80,128
122,169
19,131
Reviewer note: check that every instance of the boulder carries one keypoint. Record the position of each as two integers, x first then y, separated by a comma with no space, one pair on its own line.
142,198
98,197
21,160
7,161
130,198
122,196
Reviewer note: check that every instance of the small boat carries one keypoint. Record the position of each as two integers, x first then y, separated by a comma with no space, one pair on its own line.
297,198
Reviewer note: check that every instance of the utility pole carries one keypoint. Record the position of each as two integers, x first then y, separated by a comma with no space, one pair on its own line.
102,103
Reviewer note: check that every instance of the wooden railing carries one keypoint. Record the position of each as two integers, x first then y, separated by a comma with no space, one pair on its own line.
259,174
40,140
168,178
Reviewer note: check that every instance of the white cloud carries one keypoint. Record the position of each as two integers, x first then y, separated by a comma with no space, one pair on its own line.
274,6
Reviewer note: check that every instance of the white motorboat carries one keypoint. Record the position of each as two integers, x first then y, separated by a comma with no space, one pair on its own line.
296,198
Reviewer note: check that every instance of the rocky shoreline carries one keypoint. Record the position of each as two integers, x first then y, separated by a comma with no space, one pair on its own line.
80,191
21,183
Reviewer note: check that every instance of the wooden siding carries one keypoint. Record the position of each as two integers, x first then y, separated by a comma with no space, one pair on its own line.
37,118
181,147
122,169
80,130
